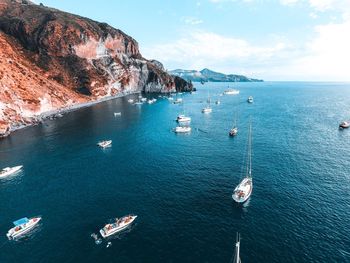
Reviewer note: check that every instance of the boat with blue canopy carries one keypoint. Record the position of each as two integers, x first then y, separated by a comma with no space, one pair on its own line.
22,226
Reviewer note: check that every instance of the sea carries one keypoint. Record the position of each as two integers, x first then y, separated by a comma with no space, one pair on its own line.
180,185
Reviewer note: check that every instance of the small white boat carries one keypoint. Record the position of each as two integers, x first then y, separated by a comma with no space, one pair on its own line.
183,118
151,101
117,114
182,129
143,99
207,109
177,101
243,191
245,188
237,258
250,99
105,144
22,226
130,100
344,125
10,170
231,92
233,131
217,102
117,226
170,98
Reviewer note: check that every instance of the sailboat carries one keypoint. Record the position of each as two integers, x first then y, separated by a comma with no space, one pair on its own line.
245,188
182,117
207,109
234,130
237,258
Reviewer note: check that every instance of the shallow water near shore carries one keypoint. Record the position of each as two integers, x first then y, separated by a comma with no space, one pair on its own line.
180,185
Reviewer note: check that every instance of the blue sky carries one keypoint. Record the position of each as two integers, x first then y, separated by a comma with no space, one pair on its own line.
269,39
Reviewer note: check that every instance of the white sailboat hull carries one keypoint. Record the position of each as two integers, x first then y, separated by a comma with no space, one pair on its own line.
243,191
8,171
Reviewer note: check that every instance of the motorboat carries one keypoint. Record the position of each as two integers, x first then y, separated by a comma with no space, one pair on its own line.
22,226
245,188
207,109
344,125
105,144
177,101
231,92
130,100
151,101
170,98
10,170
182,129
143,99
117,225
233,132
250,99
217,102
117,114
183,118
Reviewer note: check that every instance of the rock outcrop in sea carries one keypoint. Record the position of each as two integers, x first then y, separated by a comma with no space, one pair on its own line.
51,60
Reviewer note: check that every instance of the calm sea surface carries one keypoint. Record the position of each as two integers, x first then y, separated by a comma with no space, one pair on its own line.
180,185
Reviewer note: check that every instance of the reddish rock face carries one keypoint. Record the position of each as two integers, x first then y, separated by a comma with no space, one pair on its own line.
51,59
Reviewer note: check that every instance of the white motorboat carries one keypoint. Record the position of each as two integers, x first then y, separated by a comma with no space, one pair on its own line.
207,109
143,99
151,101
231,92
177,101
22,226
244,189
105,144
10,170
182,129
130,100
233,131
117,226
344,125
237,258
250,99
170,98
217,102
117,114
183,118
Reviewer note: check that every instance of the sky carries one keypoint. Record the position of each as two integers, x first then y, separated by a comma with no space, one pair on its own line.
300,40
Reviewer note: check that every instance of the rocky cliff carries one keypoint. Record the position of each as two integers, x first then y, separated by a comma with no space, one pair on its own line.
50,60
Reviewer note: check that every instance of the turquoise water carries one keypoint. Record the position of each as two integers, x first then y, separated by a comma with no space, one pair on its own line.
180,185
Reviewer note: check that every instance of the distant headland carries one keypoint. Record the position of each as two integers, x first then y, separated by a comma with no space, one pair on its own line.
206,75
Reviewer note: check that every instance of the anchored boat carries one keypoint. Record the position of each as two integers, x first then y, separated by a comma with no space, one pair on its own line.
22,226
118,225
10,170
207,109
244,189
105,144
344,124
182,129
250,99
231,92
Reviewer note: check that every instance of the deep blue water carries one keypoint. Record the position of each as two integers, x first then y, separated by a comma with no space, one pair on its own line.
180,185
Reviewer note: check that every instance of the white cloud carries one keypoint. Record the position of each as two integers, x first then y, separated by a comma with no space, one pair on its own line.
191,20
205,49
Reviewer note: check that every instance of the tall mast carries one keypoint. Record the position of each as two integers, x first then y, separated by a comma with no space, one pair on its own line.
250,149
237,258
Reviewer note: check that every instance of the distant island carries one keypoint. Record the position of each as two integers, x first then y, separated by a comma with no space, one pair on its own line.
206,75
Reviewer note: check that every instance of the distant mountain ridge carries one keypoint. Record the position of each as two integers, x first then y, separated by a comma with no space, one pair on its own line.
209,75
